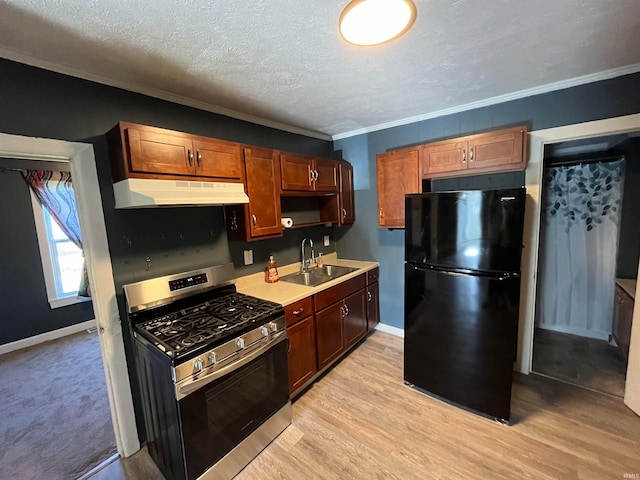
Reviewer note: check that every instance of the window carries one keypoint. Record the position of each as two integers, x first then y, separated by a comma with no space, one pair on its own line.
61,260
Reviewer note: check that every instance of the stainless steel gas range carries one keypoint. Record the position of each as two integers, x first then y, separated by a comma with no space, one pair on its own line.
212,365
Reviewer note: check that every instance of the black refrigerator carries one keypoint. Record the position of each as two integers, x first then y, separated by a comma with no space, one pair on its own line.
462,293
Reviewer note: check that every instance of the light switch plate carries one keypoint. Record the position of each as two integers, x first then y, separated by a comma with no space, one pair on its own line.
248,257
326,240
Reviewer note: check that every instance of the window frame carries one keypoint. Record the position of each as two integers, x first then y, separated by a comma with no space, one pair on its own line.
55,300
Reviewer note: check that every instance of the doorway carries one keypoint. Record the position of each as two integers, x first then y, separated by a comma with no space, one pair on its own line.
581,213
96,251
537,140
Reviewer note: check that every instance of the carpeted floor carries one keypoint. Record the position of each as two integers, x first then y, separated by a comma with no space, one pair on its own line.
582,361
56,422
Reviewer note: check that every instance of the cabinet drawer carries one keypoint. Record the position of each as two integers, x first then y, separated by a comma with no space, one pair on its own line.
372,275
298,310
334,294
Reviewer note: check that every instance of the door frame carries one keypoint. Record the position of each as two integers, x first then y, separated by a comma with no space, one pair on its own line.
98,260
533,181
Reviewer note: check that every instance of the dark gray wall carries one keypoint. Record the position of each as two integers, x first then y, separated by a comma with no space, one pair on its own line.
629,244
364,240
24,308
39,103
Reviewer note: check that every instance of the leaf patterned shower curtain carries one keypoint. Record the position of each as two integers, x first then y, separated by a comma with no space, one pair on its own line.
579,247
54,191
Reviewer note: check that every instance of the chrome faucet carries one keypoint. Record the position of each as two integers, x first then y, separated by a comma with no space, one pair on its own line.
304,264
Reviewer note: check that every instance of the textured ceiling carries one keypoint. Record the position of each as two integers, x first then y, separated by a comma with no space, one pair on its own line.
283,63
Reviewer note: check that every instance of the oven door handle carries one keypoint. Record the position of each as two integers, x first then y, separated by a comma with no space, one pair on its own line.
190,385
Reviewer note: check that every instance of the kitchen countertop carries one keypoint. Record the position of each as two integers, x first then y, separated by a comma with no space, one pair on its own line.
286,293
628,285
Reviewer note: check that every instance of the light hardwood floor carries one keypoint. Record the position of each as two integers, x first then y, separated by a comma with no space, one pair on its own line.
361,422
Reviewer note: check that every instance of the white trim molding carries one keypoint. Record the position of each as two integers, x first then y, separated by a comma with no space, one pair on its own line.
529,92
98,261
383,327
46,337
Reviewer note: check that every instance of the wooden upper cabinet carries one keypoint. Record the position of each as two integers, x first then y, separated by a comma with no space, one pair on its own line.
295,171
159,152
502,149
399,173
497,151
263,178
140,151
444,157
326,175
307,174
218,159
347,201
260,218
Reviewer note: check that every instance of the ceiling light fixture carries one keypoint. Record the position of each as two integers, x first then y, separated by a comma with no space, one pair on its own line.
372,22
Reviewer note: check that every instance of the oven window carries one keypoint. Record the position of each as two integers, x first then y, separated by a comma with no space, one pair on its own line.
221,414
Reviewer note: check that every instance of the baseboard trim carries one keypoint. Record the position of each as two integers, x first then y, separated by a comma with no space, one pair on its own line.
581,332
45,337
383,327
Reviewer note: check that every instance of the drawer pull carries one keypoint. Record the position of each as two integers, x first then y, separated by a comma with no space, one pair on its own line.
369,296
298,312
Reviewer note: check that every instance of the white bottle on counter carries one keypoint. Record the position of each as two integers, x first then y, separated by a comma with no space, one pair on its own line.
319,261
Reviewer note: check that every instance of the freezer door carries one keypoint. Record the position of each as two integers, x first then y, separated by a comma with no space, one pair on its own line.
473,230
460,337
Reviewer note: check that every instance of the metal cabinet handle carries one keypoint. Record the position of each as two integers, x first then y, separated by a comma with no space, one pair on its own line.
298,312
190,157
317,175
471,155
464,156
380,213
369,297
310,176
346,310
288,345
342,310
199,157
344,213
255,220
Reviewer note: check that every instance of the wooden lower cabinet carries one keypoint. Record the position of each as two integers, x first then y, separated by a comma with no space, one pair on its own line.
323,327
329,334
354,318
373,305
302,352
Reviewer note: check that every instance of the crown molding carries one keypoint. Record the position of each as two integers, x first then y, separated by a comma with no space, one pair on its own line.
549,87
156,93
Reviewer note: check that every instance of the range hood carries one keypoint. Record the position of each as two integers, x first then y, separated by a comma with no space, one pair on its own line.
148,193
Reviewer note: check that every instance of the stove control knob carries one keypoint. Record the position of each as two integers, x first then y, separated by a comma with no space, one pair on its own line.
240,343
273,326
197,365
264,331
212,358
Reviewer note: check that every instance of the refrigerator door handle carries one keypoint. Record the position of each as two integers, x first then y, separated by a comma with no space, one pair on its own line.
495,275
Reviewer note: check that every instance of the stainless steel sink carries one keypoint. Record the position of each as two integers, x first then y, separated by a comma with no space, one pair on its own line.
317,276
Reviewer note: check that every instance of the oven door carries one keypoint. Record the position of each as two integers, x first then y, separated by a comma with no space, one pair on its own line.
222,413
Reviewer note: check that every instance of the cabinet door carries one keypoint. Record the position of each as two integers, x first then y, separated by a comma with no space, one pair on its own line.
445,157
295,171
326,175
373,306
347,203
302,353
398,174
503,148
159,152
622,321
355,318
262,188
218,159
329,336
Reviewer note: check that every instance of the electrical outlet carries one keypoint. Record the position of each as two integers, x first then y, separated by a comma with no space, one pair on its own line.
326,240
248,257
